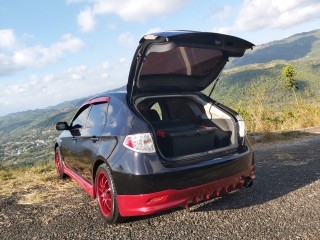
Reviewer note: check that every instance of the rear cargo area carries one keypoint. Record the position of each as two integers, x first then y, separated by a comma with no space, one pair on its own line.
186,125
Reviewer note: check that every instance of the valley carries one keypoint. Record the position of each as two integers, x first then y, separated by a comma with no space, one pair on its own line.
251,85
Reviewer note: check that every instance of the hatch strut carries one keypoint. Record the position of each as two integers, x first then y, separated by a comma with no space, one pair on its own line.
217,78
214,84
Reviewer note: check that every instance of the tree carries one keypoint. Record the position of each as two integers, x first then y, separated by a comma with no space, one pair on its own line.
288,76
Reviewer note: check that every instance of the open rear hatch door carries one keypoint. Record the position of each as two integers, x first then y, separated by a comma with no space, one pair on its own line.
180,61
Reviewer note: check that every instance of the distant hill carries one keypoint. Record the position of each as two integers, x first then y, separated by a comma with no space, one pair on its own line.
42,117
28,137
240,83
302,45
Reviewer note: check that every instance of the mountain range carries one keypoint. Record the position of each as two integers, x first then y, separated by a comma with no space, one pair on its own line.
23,133
299,46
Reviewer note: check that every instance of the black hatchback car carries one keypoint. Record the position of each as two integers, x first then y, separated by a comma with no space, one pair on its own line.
162,143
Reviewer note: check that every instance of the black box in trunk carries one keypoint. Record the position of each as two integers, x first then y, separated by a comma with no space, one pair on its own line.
185,140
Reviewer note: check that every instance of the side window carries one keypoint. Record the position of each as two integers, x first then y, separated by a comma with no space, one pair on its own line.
81,116
156,108
114,110
98,115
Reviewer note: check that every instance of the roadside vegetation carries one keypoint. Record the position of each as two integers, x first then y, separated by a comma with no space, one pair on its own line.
275,87
270,99
280,98
264,118
32,185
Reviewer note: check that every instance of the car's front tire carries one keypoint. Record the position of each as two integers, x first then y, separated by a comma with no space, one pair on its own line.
59,164
107,195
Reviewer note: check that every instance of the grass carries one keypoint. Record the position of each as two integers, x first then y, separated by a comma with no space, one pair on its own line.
264,118
40,187
266,125
32,185
39,183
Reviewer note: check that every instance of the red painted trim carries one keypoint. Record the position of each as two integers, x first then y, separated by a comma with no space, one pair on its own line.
98,100
144,204
88,187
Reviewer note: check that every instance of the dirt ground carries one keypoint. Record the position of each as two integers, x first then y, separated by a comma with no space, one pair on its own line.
283,203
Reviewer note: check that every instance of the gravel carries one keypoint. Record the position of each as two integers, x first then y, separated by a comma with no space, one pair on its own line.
283,203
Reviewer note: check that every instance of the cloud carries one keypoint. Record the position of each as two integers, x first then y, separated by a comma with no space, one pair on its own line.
86,20
77,69
258,14
24,88
222,13
224,30
39,91
7,38
126,40
75,1
137,10
6,66
128,10
77,72
112,26
154,30
38,56
296,16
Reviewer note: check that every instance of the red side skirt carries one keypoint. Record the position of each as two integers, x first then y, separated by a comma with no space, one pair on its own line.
88,187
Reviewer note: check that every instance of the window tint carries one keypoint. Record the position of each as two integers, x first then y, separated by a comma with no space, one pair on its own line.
81,117
182,61
97,115
114,110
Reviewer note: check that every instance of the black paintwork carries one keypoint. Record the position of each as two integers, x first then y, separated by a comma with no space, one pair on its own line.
84,148
159,178
138,173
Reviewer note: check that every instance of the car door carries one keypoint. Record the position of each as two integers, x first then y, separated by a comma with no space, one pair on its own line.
70,137
89,140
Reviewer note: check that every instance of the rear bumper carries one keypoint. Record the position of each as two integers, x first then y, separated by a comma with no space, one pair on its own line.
145,204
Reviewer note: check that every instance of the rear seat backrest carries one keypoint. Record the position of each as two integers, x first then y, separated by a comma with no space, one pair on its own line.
152,115
185,113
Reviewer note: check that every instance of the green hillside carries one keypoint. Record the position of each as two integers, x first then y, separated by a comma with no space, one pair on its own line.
237,84
247,85
302,45
28,137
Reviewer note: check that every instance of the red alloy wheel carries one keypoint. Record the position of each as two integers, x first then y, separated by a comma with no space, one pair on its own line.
57,162
104,194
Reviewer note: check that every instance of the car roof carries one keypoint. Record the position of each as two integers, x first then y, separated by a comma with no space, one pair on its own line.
120,95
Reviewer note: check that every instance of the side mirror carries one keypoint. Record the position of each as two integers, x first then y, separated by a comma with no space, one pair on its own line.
62,126
77,126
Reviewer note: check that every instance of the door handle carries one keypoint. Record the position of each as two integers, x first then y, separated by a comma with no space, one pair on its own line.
94,139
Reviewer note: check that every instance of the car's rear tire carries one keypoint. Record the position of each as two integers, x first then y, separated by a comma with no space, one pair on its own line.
107,195
59,164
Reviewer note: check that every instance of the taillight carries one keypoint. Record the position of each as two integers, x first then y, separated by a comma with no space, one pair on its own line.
241,128
141,142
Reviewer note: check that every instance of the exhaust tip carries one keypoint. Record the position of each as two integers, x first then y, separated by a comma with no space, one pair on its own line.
248,182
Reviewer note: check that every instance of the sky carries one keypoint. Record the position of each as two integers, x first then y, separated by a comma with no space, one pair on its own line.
54,51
